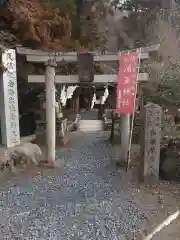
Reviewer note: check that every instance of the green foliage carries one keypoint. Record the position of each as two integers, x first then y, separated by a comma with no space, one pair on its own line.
170,88
165,91
64,6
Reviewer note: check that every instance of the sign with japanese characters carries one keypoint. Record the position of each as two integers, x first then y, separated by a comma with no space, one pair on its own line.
85,63
9,100
152,139
126,88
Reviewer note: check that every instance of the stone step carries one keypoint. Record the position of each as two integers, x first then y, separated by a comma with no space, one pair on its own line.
91,125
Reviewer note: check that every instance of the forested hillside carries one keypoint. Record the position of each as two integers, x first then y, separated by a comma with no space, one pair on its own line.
52,24
66,25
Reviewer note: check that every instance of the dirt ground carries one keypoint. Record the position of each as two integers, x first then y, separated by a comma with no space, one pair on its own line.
159,200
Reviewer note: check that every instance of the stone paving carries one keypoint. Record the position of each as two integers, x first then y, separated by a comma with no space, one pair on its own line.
91,114
88,200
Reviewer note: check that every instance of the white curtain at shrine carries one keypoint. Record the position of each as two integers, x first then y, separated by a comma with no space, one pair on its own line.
105,96
70,91
63,97
93,99
67,94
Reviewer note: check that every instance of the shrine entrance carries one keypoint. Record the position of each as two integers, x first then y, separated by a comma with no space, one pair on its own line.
86,107
86,75
85,98
90,108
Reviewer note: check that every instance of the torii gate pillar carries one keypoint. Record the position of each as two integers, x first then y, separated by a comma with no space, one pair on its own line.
50,111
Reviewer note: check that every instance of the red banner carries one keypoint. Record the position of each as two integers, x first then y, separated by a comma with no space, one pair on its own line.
126,88
100,99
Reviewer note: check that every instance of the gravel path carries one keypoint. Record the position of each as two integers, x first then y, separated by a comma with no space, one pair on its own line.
88,200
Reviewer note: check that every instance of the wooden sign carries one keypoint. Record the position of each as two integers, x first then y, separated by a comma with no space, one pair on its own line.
85,63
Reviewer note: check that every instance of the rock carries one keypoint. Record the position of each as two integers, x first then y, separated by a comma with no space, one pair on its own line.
26,153
76,122
132,236
169,168
75,126
105,120
7,163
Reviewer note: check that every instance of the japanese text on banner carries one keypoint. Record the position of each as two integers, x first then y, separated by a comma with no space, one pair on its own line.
126,88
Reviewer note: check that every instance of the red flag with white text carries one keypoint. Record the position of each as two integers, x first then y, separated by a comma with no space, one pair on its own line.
127,80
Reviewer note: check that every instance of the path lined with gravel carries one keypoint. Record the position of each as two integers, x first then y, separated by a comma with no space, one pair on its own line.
87,200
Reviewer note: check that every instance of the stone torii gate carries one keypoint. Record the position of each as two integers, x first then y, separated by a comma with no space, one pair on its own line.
50,79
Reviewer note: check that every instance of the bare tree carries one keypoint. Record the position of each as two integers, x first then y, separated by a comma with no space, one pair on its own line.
165,70
165,31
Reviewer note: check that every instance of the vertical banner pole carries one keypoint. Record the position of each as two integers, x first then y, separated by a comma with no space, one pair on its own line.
133,116
126,91
125,131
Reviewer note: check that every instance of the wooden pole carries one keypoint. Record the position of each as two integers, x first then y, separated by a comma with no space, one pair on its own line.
50,111
162,225
125,131
77,105
113,116
132,122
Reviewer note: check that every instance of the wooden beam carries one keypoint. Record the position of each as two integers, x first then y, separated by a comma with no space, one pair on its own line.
28,51
151,48
74,79
73,57
42,56
38,58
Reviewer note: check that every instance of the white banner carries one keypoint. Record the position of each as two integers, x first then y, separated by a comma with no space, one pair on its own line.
93,101
70,91
106,94
63,97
